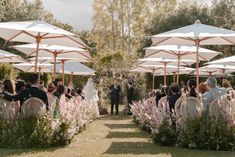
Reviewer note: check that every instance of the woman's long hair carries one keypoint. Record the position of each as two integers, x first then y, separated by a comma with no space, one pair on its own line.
8,86
192,84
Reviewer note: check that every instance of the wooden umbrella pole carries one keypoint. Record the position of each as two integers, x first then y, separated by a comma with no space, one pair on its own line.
165,73
178,69
38,40
55,56
153,78
197,63
62,62
174,76
71,77
39,71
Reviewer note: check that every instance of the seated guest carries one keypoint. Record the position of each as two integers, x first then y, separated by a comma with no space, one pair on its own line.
214,92
192,84
32,91
159,94
20,85
202,88
68,94
41,86
152,100
79,95
60,91
173,95
28,85
53,100
9,89
162,103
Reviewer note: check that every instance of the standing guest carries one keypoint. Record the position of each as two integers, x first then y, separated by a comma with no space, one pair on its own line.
115,90
32,91
130,94
202,89
192,85
214,92
173,95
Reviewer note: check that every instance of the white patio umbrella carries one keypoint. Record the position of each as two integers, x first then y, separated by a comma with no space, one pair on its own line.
179,52
55,51
224,61
164,62
196,34
216,69
158,70
74,68
7,57
29,67
39,32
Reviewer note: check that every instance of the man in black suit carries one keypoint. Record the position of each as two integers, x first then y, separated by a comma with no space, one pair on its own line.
115,90
33,91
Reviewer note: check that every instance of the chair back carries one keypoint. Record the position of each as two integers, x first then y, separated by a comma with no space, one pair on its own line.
33,107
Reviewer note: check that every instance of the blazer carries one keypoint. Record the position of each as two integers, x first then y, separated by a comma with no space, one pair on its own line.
27,93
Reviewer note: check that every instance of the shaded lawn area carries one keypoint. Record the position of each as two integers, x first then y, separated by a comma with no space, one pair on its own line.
112,136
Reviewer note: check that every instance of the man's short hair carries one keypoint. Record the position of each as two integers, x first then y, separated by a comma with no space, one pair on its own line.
212,82
34,78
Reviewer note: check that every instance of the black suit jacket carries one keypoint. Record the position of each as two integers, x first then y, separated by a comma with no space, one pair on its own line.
115,93
28,93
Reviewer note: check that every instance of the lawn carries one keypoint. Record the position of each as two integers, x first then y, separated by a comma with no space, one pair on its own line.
112,136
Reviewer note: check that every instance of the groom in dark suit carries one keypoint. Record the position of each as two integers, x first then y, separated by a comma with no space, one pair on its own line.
115,90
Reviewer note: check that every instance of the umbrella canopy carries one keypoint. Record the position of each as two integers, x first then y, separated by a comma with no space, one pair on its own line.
39,32
55,51
165,62
196,34
74,68
159,61
7,57
185,52
29,67
224,61
179,53
216,69
158,70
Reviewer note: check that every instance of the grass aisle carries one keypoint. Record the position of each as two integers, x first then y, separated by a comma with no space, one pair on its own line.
112,136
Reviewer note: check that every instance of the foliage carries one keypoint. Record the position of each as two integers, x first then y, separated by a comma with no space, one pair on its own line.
166,135
6,71
46,131
26,132
208,133
112,66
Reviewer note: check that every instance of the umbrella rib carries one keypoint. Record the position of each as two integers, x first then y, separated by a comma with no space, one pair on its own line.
32,53
15,36
161,41
29,34
76,41
228,40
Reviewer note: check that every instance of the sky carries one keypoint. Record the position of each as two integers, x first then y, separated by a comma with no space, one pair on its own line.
77,13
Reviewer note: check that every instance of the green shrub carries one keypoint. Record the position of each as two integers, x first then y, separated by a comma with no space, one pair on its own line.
26,132
166,135
207,132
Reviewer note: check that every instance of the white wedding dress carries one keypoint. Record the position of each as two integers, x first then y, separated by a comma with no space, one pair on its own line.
91,94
